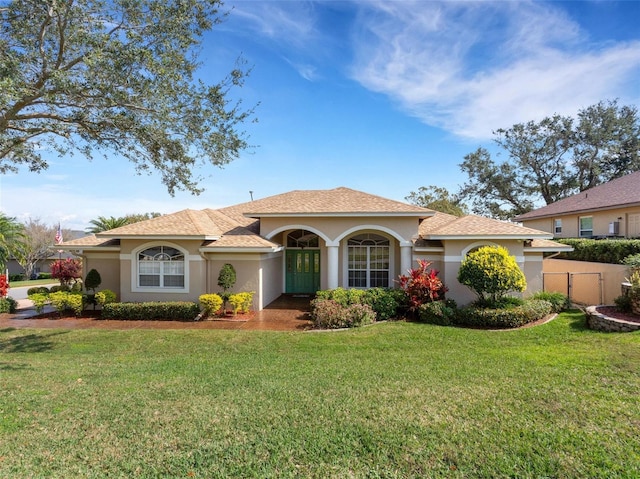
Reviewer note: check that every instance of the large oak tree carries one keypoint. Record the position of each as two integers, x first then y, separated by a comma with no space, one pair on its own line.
115,75
551,159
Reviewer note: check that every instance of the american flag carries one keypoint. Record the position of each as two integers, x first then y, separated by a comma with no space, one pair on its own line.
59,235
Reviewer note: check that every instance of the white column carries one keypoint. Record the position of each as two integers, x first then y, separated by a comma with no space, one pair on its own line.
406,253
332,266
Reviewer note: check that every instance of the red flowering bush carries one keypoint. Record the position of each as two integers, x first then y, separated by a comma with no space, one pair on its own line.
66,270
4,286
422,285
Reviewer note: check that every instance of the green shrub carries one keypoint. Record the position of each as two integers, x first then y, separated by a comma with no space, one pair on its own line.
210,304
169,311
227,277
16,277
329,314
8,305
491,272
342,296
612,251
59,287
559,302
40,300
623,303
106,296
530,311
383,301
441,312
65,300
44,276
92,280
37,290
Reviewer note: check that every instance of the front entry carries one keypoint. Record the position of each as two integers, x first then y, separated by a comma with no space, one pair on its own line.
303,270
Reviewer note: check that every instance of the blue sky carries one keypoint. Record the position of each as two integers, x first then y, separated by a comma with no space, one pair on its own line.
380,96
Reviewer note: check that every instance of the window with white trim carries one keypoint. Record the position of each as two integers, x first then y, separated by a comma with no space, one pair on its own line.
369,261
586,227
161,267
557,226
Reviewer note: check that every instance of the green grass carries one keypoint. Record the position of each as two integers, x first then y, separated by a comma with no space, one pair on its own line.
393,400
32,282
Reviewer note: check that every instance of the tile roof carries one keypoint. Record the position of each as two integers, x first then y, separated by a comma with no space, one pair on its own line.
548,245
92,241
232,227
623,191
185,223
478,227
336,202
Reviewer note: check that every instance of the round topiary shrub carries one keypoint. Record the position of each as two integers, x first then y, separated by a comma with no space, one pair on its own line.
491,272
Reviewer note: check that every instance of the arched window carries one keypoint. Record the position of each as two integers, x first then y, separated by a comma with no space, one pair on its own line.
368,261
302,239
161,267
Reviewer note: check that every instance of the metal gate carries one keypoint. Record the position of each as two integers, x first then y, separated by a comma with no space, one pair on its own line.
581,288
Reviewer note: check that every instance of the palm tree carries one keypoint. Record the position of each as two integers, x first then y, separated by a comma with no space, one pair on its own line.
11,235
105,224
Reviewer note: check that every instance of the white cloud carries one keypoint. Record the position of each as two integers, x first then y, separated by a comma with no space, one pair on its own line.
473,67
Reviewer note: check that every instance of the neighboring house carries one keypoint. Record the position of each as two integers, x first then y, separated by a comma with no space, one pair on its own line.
298,243
608,210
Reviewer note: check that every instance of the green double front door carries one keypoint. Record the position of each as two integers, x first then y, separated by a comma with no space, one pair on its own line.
303,271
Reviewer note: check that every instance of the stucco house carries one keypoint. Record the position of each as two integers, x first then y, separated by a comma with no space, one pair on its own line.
608,210
298,242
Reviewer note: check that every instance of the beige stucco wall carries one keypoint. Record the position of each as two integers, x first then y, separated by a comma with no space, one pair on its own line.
448,263
601,220
261,274
585,288
108,265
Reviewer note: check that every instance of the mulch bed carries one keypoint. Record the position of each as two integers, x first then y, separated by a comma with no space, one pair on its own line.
612,312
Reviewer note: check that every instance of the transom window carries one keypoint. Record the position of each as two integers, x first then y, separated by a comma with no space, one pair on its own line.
161,267
368,261
302,239
586,226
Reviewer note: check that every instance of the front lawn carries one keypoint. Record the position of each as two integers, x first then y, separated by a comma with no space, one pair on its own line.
391,400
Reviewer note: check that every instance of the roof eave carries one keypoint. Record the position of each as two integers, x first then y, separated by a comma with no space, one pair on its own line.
239,249
162,237
488,237
407,214
575,212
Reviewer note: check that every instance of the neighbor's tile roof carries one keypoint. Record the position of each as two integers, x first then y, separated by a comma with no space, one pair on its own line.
335,202
624,191
480,227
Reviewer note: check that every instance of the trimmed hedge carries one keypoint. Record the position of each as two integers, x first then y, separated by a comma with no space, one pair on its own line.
612,251
170,311
385,302
559,302
329,314
516,317
445,313
8,305
37,290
